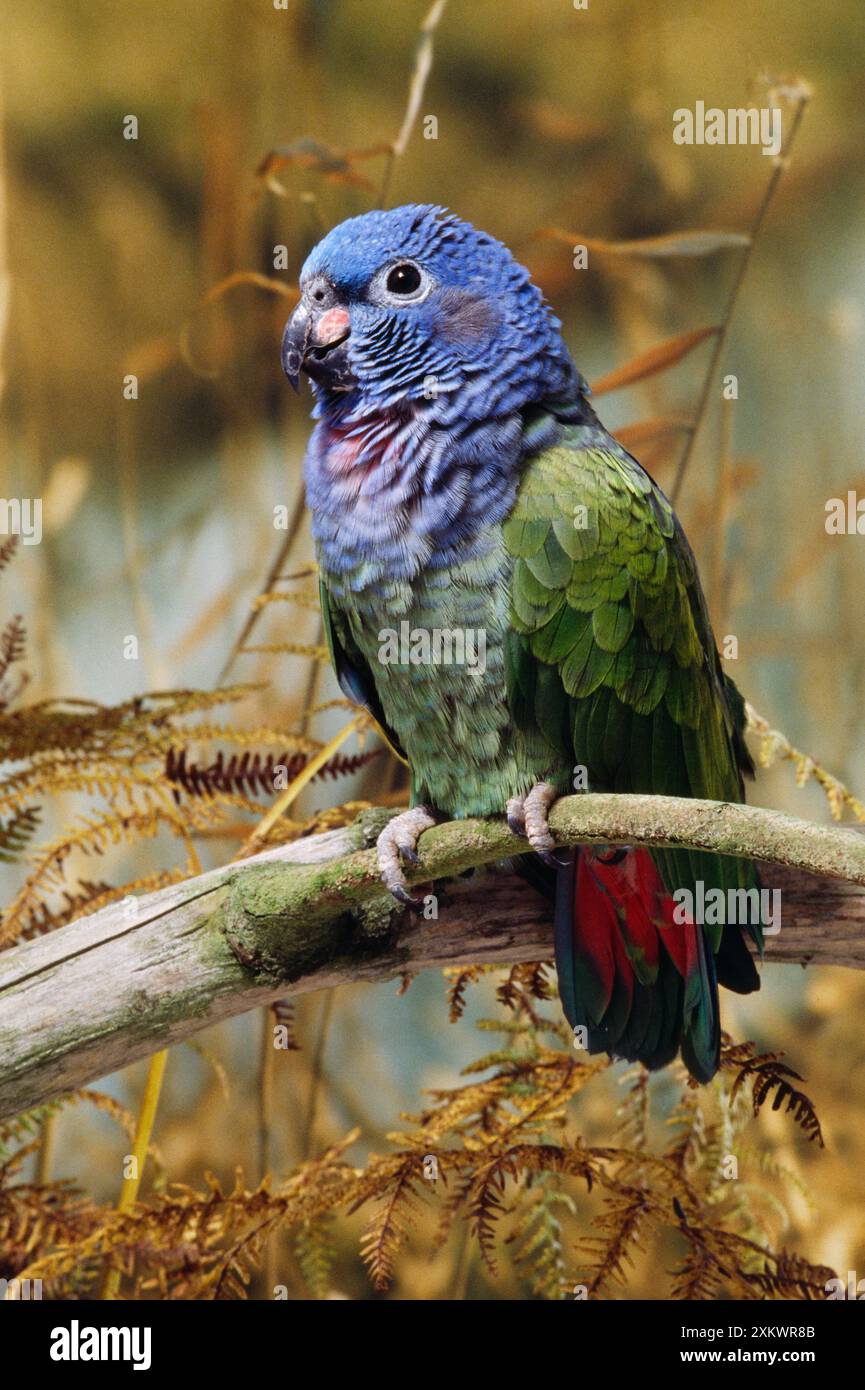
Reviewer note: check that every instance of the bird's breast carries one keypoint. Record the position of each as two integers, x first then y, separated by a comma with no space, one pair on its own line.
436,649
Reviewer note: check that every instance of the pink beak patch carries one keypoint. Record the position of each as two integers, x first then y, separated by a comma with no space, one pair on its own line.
332,326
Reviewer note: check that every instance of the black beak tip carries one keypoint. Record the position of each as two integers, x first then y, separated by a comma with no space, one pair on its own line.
292,361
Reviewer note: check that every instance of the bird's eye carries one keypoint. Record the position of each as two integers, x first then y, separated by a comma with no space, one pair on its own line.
403,279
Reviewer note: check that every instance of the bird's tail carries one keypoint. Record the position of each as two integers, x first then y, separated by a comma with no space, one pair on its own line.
636,974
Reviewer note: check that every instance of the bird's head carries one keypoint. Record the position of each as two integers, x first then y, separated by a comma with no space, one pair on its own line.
414,307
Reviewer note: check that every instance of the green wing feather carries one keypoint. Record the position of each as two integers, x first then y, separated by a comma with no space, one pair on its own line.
352,669
611,653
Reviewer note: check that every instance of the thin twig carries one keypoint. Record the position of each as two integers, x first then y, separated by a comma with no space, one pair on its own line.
47,1135
317,1074
141,1143
715,586
267,1060
420,73
273,574
727,321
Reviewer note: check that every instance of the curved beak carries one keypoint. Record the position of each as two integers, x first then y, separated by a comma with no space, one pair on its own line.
313,342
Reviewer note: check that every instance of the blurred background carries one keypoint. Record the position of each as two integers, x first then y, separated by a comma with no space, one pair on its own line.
155,258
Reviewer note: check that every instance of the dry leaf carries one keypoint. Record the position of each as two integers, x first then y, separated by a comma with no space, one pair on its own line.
695,243
657,359
647,431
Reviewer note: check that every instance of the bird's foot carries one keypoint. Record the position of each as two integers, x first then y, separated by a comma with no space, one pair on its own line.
398,842
528,816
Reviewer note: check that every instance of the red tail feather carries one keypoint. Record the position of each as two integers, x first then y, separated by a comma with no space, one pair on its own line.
621,899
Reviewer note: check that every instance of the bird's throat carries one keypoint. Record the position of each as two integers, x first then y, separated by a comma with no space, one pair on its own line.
393,494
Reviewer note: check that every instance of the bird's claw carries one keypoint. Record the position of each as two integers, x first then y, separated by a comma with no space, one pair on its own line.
515,812
528,816
397,843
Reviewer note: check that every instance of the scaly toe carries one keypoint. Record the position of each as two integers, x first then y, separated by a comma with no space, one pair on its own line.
537,806
515,811
397,842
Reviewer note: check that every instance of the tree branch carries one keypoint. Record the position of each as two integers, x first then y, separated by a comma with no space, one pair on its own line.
140,975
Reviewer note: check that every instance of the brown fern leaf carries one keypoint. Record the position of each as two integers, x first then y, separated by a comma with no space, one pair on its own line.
37,1218
7,550
106,776
768,1074
13,643
218,1234
485,1197
79,726
460,977
42,918
452,1204
233,1272
522,984
93,836
486,1206
793,1277
250,772
621,1226
20,828
698,1275
720,1258
388,1228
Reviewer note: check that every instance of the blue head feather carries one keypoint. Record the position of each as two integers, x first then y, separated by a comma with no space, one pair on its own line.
482,342
418,452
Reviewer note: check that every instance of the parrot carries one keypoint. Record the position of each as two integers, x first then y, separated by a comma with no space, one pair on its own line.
460,482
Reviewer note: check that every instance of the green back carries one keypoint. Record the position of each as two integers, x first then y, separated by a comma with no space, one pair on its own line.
611,653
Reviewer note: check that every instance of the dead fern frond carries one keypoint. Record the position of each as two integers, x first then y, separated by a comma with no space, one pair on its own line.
772,745
794,1277
767,1074
633,1112
8,550
85,726
252,773
719,1259
17,831
13,644
210,1237
523,984
389,1226
39,1218
93,835
621,1227
459,978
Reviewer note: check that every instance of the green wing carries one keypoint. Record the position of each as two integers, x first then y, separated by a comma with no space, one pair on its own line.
352,669
611,652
